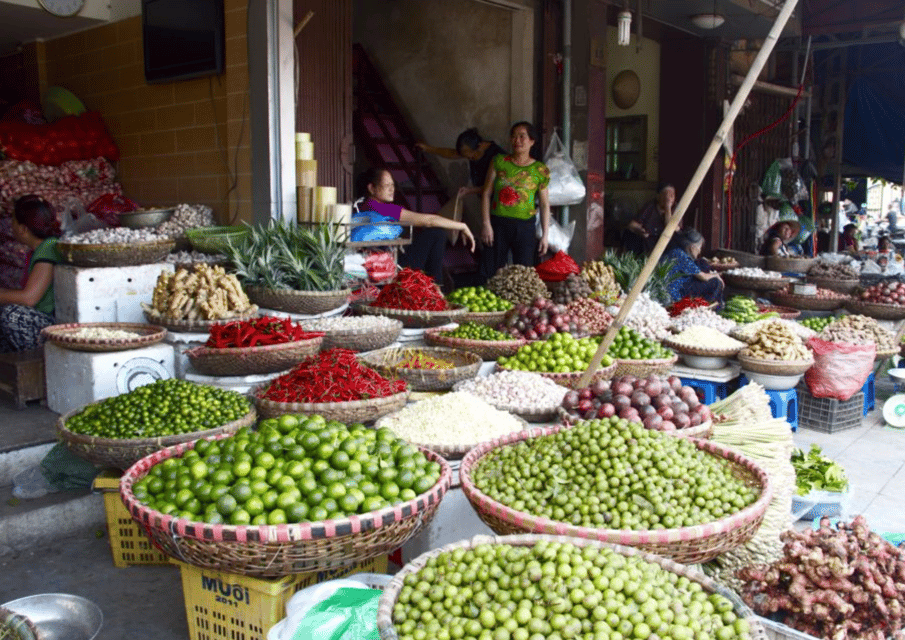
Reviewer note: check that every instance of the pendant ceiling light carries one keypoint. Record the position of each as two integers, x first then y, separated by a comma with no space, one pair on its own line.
708,20
624,23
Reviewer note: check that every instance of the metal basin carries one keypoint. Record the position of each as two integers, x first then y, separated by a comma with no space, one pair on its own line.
146,218
60,616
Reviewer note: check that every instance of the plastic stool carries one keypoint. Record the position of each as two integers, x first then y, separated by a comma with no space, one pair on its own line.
783,403
870,394
708,391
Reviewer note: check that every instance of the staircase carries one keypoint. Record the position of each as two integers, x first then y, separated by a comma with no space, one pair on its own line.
385,139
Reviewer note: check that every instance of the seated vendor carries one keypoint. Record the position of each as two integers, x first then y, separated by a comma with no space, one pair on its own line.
377,189
885,249
25,312
689,280
848,239
778,238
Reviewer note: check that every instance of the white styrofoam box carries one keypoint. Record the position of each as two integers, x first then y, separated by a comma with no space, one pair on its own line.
180,343
711,375
242,384
78,378
297,317
104,294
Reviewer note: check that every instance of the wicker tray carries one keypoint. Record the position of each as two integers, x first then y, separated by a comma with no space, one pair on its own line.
644,368
123,453
215,239
362,339
62,336
758,284
415,319
15,626
197,326
750,260
349,412
678,347
808,303
309,303
572,379
489,318
775,367
721,267
793,265
274,551
786,313
390,595
115,255
466,366
877,310
839,286
485,349
688,545
249,361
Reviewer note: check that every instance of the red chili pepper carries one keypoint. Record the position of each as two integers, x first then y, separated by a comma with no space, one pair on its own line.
411,290
262,331
686,303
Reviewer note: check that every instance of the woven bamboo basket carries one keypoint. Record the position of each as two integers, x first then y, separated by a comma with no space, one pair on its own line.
123,453
750,260
572,379
216,239
877,310
839,286
774,367
196,326
807,303
362,339
15,626
484,349
62,336
449,452
888,353
248,361
415,319
757,284
275,551
786,313
303,302
115,255
384,361
721,267
706,352
489,318
349,412
789,265
688,545
644,368
391,593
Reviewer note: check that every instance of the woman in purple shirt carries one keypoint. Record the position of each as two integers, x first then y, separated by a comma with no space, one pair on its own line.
428,241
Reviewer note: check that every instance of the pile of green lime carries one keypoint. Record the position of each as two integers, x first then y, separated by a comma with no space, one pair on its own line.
291,469
631,345
560,353
162,408
478,300
476,331
818,324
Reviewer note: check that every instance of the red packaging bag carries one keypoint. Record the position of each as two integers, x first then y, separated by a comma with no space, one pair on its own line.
557,268
380,266
840,369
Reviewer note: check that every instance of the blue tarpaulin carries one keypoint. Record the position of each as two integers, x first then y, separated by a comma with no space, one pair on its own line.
875,129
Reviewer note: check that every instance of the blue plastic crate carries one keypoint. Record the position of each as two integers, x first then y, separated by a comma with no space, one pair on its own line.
708,391
783,404
870,394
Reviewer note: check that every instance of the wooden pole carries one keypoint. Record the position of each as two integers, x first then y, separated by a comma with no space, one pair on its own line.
693,186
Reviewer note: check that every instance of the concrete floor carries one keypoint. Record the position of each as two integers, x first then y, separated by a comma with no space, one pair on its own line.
146,602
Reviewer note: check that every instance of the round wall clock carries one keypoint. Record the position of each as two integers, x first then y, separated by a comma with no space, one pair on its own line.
62,8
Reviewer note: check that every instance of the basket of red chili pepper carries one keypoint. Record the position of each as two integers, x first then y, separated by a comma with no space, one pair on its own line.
414,299
250,347
424,368
333,384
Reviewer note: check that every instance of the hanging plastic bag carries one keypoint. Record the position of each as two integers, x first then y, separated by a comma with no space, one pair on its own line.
840,369
346,615
557,268
380,266
76,220
558,237
385,230
566,186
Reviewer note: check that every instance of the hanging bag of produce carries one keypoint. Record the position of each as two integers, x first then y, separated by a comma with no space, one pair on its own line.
566,186
840,369
557,268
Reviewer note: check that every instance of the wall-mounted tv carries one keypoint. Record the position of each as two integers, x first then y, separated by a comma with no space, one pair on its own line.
182,38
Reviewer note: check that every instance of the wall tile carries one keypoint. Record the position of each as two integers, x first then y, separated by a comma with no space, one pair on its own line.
178,116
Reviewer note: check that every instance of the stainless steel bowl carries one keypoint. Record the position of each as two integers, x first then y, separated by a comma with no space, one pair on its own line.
147,218
60,616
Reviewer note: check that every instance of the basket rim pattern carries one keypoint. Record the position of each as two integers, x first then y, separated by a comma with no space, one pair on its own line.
786,313
115,255
239,361
482,502
415,318
483,317
283,533
297,300
881,310
59,334
570,378
466,365
486,349
264,404
748,282
808,303
388,599
172,324
681,348
774,367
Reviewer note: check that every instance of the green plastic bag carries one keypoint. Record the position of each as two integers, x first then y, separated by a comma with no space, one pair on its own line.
349,614
66,471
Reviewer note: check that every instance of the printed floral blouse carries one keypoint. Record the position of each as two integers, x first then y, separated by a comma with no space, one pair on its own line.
515,187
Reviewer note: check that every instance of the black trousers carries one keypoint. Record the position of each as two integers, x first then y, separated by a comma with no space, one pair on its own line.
509,234
426,252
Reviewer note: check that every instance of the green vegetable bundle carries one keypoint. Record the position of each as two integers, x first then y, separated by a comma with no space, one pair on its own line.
816,472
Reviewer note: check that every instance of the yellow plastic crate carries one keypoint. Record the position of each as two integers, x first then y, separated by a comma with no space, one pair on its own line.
128,543
226,606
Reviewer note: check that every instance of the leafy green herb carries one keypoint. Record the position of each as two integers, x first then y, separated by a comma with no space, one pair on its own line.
816,472
627,267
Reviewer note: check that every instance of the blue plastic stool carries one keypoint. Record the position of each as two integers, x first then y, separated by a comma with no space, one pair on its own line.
870,394
783,404
708,391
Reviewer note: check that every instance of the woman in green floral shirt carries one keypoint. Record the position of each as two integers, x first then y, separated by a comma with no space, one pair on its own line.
515,185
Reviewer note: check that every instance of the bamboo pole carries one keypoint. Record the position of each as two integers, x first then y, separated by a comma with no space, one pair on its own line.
693,186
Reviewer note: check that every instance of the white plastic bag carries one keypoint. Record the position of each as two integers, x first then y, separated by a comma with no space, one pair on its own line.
558,238
566,186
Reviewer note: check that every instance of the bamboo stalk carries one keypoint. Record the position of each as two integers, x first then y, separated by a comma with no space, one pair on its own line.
693,186
301,25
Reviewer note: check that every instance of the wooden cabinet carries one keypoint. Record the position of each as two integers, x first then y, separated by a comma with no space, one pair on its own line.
626,148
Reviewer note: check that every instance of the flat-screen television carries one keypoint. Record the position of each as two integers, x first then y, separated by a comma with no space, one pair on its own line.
182,38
